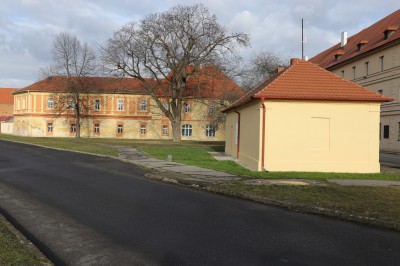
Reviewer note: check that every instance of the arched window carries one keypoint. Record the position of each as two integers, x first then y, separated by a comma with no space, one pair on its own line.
186,130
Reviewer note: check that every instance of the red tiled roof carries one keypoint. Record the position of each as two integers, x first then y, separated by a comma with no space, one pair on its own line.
371,38
307,81
6,96
211,83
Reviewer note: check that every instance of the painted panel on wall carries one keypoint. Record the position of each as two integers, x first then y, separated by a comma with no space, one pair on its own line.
320,133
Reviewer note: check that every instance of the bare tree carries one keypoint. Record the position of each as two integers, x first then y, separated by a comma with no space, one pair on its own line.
262,65
71,62
165,49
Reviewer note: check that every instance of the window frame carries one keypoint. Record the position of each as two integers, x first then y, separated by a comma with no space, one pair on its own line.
50,103
381,62
187,108
143,129
187,130
120,105
165,130
72,128
386,132
354,72
96,128
367,68
120,129
97,104
210,131
143,105
50,127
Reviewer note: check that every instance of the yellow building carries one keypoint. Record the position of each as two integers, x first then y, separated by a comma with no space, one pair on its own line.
119,108
371,58
305,118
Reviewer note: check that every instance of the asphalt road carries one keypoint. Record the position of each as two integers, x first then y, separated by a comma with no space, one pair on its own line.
88,210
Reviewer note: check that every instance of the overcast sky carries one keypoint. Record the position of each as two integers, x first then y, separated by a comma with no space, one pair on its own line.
28,27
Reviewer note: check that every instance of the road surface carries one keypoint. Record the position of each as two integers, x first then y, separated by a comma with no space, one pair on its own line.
87,210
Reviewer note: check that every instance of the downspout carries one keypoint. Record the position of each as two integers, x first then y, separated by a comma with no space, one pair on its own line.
263,134
238,136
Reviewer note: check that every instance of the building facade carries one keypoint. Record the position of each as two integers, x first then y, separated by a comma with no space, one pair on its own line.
371,58
307,119
118,108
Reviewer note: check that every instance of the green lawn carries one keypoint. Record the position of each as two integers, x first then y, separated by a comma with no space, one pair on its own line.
187,152
14,252
199,156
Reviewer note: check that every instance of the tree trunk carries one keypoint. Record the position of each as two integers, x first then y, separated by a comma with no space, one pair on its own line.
176,130
78,122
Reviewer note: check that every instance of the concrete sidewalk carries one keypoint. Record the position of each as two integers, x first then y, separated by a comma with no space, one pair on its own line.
196,174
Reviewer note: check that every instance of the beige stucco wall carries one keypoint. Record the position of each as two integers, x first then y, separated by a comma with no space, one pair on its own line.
250,135
31,116
386,81
6,127
322,136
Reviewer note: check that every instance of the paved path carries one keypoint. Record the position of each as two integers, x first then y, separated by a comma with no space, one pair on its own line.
194,173
89,210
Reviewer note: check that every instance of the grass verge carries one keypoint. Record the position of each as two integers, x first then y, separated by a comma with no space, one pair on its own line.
15,250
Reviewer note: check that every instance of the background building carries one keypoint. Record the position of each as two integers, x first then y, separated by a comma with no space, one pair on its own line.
371,58
121,108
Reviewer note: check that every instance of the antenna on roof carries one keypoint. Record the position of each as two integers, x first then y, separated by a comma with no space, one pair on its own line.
302,40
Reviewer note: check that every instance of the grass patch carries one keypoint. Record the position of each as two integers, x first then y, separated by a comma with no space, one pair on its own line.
381,203
13,252
73,144
199,156
186,152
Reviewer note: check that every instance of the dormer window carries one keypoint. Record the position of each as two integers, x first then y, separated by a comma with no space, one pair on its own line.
361,44
339,54
390,31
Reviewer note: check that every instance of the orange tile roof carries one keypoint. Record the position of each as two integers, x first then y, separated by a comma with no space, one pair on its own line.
6,96
372,37
210,84
304,80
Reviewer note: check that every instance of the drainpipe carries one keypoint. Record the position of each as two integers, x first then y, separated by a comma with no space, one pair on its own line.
238,136
263,134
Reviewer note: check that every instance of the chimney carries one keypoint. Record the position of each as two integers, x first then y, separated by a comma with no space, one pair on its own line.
279,69
343,39
305,58
294,61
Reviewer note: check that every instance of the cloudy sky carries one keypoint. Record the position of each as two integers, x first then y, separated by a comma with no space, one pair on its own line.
28,27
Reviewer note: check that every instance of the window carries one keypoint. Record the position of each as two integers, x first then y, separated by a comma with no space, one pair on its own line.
97,104
210,109
166,105
97,128
143,105
381,60
380,91
186,130
366,68
342,73
120,105
210,131
187,108
354,72
386,131
143,130
72,128
50,103
120,129
165,130
49,127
